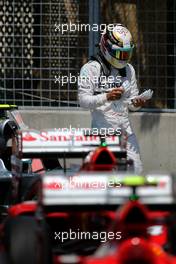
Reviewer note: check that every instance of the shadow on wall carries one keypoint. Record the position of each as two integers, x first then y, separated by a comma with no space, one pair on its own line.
149,120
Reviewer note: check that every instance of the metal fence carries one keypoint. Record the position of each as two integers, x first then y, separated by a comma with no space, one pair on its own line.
35,53
41,52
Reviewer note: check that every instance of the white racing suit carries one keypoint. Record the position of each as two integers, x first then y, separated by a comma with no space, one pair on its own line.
105,114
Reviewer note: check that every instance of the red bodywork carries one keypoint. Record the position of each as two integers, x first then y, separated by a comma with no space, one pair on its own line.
132,219
133,251
137,245
100,159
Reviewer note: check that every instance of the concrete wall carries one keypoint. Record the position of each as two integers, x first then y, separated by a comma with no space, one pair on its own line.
156,132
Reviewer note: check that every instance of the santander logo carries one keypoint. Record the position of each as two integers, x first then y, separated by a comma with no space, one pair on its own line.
28,137
50,137
56,137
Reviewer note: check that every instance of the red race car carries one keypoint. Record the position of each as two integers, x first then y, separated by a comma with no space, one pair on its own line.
76,220
147,236
54,150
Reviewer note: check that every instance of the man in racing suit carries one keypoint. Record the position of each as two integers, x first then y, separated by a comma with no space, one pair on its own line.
107,86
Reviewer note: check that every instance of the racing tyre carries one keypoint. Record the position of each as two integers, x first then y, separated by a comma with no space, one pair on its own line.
26,241
172,239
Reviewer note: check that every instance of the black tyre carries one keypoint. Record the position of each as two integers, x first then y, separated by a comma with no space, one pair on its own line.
26,241
172,240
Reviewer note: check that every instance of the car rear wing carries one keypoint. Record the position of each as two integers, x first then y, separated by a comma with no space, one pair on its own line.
16,115
107,189
45,143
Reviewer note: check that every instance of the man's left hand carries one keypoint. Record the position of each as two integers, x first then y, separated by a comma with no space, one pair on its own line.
138,102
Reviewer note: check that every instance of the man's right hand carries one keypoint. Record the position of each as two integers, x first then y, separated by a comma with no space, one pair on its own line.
115,94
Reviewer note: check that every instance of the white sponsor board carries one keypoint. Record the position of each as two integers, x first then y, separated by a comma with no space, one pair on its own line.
103,189
34,141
